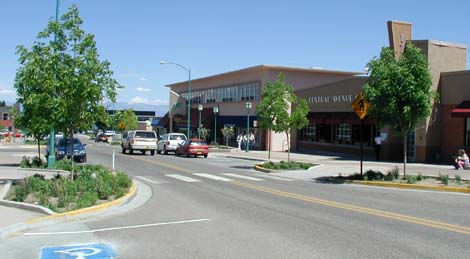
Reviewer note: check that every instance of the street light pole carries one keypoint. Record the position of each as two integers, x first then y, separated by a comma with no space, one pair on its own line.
248,107
51,157
200,108
215,110
189,92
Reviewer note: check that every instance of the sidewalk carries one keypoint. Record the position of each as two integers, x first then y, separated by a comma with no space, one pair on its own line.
334,164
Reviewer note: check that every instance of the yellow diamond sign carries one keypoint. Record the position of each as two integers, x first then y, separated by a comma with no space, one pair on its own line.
360,106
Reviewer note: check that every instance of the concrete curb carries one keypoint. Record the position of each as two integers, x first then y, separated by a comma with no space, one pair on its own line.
44,170
53,215
259,167
412,186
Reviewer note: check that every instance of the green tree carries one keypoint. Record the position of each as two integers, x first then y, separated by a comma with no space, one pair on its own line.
204,132
227,132
2,104
63,69
128,120
276,110
400,91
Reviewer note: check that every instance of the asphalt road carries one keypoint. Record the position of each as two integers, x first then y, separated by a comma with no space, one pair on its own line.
220,208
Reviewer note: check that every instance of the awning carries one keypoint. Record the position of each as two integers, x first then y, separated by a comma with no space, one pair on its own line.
462,110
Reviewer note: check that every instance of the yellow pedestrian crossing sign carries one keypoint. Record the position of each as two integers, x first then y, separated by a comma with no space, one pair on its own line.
360,106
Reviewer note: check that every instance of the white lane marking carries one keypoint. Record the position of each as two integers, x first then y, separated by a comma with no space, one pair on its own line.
214,177
244,177
182,178
115,228
149,180
275,177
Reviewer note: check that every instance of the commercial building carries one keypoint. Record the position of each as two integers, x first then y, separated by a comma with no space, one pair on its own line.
333,125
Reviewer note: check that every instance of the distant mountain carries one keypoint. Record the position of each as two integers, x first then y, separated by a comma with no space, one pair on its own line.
160,110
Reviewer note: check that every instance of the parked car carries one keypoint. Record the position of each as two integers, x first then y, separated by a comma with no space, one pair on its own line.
170,142
101,138
193,147
65,149
142,140
110,133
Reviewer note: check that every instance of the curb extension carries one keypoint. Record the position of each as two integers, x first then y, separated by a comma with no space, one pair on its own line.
412,186
259,167
132,192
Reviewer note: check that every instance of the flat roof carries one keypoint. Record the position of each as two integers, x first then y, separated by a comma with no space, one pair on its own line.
442,43
271,67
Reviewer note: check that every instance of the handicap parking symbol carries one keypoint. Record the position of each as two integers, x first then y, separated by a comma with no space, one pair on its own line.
86,251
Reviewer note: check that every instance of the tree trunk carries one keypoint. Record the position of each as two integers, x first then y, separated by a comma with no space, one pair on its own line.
288,147
404,157
269,144
71,157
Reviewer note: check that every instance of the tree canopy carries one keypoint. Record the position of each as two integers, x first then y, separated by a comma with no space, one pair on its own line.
281,110
399,90
61,82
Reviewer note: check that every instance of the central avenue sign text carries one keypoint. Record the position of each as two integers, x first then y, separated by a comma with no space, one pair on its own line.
348,98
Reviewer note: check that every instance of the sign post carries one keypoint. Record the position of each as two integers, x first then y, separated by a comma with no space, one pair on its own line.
361,106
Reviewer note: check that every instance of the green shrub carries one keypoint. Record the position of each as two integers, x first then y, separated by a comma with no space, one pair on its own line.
444,179
287,166
411,179
21,193
458,179
64,164
394,173
420,177
371,175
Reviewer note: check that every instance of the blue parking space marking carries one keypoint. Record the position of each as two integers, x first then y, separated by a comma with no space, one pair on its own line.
86,251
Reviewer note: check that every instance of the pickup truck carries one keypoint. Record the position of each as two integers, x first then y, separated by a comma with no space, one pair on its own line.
142,140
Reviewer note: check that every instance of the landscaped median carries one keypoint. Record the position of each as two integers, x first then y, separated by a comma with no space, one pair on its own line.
393,180
93,188
270,167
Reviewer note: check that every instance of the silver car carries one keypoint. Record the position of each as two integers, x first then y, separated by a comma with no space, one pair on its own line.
170,142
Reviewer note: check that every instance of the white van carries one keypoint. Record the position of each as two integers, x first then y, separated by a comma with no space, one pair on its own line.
170,142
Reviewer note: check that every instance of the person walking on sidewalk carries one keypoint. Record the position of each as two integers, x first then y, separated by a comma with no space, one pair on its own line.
239,141
377,146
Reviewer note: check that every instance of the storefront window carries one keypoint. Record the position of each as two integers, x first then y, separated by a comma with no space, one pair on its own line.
324,133
309,133
467,131
343,133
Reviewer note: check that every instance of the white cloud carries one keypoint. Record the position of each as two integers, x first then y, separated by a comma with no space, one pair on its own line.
141,89
140,100
143,79
7,92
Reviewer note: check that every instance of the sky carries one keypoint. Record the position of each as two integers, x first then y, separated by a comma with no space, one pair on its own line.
217,36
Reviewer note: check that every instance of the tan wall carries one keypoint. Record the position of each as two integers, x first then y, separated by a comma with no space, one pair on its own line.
442,57
398,34
335,97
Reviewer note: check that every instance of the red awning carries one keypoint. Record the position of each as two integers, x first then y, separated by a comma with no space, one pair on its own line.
462,110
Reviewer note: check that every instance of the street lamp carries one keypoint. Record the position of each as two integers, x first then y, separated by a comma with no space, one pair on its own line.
199,108
248,107
215,110
189,90
51,157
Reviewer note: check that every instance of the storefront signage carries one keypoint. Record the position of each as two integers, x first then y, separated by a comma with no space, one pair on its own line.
347,98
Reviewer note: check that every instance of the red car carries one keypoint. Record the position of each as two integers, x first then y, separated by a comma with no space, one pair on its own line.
193,147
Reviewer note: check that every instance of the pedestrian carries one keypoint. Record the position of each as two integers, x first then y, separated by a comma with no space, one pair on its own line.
252,139
462,160
377,145
239,141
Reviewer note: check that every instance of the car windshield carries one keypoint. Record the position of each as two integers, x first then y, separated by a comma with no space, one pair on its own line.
144,134
69,142
177,137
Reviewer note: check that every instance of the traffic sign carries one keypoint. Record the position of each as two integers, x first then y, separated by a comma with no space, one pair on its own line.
360,106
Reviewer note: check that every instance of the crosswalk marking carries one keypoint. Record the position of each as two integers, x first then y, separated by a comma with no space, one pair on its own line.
214,177
275,178
150,179
244,177
182,178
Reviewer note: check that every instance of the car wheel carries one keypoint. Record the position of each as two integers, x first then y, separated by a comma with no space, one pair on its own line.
205,156
131,151
165,151
187,154
152,152
123,150
177,153
159,152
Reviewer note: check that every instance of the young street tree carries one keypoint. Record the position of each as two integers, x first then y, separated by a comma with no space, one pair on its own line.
276,110
61,77
127,120
399,91
227,132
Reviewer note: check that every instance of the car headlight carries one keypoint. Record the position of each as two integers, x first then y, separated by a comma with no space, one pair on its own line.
82,152
61,152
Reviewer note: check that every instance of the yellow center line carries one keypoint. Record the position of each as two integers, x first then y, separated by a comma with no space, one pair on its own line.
384,214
